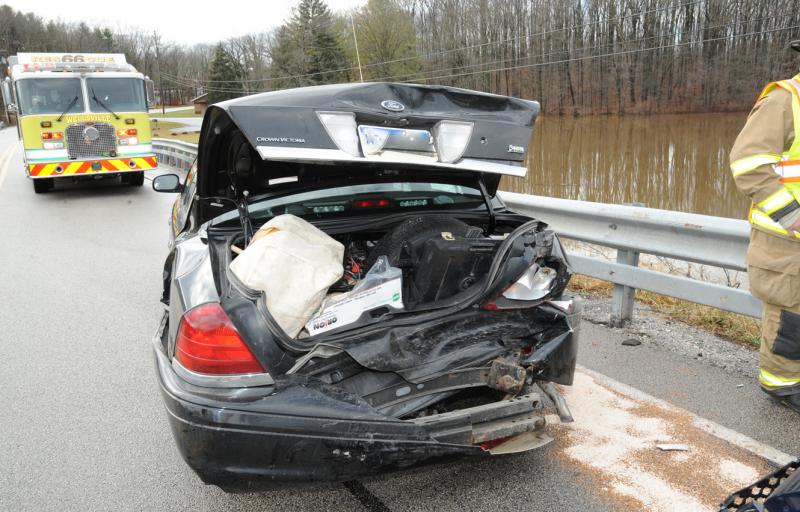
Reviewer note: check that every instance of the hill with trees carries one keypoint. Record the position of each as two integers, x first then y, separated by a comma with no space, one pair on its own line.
574,56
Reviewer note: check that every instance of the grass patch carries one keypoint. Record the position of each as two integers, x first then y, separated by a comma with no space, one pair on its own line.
738,328
187,112
170,130
590,286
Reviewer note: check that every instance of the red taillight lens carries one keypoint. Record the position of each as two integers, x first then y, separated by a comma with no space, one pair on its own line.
207,342
371,203
52,135
127,132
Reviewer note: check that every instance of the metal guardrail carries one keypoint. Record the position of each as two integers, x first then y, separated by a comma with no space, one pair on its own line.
175,153
632,230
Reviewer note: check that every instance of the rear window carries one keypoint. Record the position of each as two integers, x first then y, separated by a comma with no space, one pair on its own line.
367,199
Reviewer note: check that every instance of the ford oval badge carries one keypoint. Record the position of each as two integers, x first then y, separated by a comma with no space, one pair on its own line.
392,105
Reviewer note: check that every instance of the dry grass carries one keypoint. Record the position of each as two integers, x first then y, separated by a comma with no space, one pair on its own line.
737,328
170,130
187,112
590,286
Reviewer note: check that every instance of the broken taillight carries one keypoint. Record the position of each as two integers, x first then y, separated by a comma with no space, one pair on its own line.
534,284
207,342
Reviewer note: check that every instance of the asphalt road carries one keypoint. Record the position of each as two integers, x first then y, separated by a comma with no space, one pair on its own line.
84,427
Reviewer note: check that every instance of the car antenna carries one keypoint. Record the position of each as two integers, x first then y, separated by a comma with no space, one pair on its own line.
488,201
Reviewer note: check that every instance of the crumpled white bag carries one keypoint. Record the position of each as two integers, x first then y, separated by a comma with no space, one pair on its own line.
294,263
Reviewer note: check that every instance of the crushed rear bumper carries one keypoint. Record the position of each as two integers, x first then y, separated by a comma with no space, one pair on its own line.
302,431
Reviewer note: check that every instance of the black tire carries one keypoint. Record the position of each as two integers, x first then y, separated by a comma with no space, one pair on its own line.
42,185
391,245
134,179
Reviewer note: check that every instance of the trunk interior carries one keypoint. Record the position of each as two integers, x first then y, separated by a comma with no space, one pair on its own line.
443,260
443,352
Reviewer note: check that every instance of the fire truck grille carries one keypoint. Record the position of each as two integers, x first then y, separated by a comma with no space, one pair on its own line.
91,141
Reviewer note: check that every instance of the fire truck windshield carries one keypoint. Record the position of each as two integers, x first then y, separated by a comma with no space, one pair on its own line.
49,95
116,94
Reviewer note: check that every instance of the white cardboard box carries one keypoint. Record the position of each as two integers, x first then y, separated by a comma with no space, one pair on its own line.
346,308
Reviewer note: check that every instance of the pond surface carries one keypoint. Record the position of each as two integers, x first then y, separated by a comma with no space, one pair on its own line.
673,162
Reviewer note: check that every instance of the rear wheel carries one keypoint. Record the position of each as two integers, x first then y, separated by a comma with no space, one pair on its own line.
42,185
134,179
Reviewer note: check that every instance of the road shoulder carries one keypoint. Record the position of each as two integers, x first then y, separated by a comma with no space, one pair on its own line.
691,369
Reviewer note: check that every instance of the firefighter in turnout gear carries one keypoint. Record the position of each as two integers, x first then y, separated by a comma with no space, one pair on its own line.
765,161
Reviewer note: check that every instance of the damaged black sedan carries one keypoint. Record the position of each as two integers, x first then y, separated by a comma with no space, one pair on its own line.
346,294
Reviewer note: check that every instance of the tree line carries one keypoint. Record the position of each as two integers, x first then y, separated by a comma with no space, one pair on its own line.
574,56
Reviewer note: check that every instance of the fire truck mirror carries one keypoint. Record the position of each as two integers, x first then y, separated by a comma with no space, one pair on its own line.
7,100
151,92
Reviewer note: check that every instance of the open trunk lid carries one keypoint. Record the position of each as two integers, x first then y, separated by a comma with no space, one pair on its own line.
395,126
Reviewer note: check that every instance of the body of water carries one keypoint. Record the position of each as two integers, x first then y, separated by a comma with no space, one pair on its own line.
674,162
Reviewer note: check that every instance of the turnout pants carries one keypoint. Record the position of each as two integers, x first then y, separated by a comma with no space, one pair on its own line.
774,274
780,350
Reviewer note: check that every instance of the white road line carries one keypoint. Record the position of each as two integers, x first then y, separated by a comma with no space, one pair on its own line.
616,434
742,441
5,160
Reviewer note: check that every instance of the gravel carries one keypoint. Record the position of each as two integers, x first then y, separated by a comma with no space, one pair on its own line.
653,328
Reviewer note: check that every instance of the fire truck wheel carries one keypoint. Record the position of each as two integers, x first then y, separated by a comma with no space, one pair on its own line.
42,185
134,179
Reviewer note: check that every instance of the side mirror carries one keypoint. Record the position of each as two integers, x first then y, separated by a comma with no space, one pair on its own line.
8,100
167,183
150,90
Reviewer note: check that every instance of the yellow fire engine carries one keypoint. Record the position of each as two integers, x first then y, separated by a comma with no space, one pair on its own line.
80,116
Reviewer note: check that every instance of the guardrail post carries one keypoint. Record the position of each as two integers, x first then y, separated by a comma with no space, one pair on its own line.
623,297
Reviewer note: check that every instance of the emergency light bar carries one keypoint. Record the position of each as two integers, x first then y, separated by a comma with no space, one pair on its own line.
89,58
76,66
68,62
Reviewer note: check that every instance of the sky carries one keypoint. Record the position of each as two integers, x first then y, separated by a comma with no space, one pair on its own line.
178,22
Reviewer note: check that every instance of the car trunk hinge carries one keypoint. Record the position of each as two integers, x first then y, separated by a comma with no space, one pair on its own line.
488,201
244,218
241,208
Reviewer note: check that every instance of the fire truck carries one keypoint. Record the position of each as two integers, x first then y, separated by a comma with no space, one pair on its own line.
80,116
